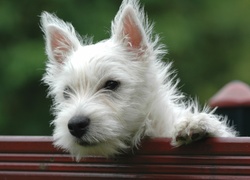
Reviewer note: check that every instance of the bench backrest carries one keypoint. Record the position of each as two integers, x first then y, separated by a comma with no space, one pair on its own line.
35,157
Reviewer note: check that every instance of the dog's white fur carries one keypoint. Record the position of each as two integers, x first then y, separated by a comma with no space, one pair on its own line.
146,103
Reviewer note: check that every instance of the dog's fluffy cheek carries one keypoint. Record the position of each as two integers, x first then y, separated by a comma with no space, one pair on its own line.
61,135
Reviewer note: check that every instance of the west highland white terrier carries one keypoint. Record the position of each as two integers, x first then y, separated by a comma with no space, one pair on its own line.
109,95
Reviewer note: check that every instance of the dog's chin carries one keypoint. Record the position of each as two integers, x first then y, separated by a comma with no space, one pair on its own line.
86,143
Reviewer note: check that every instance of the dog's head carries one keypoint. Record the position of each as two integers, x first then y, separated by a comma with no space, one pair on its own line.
101,91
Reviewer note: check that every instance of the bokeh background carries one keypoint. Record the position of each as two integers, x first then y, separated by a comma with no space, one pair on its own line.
208,41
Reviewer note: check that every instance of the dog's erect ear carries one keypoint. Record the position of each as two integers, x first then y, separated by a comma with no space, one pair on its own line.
60,37
129,27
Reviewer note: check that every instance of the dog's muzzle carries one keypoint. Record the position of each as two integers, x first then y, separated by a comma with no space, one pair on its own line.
78,126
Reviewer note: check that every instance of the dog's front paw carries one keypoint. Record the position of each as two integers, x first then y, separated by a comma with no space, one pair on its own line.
188,131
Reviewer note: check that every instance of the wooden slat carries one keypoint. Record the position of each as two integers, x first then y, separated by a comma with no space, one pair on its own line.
27,144
31,157
158,146
138,159
127,168
9,175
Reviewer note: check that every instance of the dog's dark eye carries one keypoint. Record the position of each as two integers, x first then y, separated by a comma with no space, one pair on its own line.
111,85
66,92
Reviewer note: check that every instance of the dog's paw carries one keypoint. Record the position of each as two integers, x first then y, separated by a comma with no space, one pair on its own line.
189,130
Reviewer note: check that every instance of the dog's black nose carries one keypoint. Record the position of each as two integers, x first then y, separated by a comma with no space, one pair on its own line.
78,125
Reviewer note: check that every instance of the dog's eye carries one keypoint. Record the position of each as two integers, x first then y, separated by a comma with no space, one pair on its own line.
66,92
111,85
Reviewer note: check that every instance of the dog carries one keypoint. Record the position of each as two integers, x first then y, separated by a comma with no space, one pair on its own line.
108,96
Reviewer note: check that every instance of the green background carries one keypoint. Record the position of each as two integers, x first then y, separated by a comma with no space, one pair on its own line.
208,41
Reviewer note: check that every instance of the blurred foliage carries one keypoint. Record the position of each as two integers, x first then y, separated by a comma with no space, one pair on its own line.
208,41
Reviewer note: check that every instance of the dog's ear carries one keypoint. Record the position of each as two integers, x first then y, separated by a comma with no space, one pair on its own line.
60,37
130,29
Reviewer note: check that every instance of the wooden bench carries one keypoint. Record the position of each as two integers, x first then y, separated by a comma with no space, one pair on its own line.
213,158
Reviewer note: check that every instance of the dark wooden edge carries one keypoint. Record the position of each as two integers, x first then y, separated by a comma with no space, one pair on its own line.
208,146
158,146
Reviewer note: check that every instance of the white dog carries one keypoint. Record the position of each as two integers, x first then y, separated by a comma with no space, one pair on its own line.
110,95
